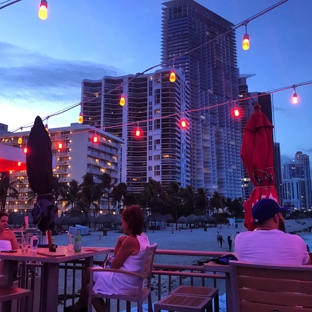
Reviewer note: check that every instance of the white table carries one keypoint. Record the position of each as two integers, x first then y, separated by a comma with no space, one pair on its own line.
51,262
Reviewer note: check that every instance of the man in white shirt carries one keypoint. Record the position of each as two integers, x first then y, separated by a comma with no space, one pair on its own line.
268,243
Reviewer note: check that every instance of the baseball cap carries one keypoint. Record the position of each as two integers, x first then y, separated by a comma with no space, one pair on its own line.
265,209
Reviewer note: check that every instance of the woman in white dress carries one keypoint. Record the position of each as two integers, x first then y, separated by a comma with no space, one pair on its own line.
8,239
128,255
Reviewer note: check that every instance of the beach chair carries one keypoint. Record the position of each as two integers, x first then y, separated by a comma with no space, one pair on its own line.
271,287
143,284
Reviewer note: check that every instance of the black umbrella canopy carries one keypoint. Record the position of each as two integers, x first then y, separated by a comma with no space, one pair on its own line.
39,159
39,172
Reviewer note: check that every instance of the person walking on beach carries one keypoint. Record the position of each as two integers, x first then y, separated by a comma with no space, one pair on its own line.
221,240
230,243
268,243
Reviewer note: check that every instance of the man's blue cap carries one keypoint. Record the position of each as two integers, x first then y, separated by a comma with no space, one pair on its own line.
265,209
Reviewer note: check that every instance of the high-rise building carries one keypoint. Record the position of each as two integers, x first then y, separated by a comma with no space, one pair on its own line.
193,39
297,182
74,154
278,171
155,106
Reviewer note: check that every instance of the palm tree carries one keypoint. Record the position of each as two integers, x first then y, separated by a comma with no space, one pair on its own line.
106,186
69,193
6,188
89,193
119,194
187,195
201,201
217,200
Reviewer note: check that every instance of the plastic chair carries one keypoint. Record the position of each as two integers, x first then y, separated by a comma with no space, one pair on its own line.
143,283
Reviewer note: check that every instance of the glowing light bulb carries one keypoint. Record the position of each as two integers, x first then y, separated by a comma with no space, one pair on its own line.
295,99
43,10
172,76
122,100
80,118
245,44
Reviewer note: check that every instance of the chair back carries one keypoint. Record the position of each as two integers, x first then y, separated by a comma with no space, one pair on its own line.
271,287
147,263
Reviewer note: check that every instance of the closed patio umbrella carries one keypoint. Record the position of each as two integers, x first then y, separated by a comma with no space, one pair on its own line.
39,172
257,157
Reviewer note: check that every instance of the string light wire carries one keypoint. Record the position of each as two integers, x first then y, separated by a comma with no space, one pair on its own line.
173,59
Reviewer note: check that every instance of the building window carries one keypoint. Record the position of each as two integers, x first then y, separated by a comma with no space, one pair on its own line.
157,124
157,96
156,157
150,168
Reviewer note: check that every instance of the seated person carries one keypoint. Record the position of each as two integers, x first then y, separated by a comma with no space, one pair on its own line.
8,239
268,243
128,255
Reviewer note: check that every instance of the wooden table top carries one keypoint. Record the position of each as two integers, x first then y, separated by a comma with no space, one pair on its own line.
61,254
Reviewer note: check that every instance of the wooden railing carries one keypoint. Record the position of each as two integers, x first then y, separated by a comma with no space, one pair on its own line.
166,275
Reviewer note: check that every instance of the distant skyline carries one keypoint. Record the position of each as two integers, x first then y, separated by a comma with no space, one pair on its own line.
44,62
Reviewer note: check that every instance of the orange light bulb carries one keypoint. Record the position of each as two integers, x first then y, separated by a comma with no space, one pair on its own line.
245,44
172,76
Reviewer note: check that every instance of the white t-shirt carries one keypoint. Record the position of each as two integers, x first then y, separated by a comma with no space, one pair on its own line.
271,247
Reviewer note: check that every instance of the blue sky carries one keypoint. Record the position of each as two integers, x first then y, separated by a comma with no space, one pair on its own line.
42,63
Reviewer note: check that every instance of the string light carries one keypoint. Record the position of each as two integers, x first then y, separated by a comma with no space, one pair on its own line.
172,76
80,118
122,100
295,99
137,131
176,57
245,44
43,10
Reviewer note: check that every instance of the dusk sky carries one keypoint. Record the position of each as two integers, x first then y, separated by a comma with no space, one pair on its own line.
44,62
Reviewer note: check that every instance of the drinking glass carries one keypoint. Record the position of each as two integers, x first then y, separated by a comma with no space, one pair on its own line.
70,246
25,242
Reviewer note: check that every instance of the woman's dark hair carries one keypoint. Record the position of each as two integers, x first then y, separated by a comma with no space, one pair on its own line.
135,220
3,214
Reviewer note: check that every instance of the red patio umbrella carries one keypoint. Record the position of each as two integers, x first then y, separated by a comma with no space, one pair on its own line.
257,157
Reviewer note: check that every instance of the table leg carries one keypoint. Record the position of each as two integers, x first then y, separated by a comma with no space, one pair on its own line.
50,279
7,270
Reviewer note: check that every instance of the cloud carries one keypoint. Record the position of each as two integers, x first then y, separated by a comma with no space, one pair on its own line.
33,76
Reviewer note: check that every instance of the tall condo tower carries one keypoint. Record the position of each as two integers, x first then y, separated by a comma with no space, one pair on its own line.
154,105
194,39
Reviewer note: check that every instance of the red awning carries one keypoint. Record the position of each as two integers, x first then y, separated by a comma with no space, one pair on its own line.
12,158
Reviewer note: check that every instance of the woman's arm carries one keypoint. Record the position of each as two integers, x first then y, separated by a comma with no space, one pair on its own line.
120,239
13,240
130,246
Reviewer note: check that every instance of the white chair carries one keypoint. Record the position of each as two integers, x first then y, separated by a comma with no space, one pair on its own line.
143,283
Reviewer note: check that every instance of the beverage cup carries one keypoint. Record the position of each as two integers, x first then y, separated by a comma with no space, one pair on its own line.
26,222
70,246
25,243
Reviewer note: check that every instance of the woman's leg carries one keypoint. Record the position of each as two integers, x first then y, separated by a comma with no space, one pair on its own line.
99,305
83,297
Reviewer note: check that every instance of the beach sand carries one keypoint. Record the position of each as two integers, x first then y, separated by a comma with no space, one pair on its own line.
183,239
